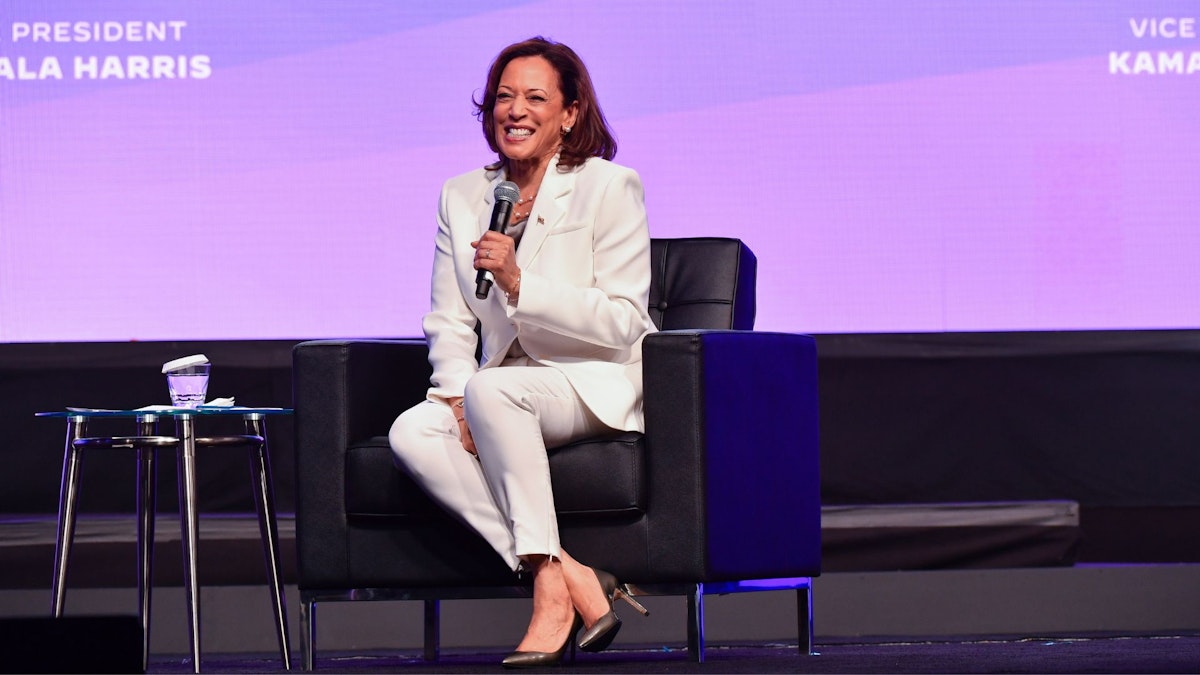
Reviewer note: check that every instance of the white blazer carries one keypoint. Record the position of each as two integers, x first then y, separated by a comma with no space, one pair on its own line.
585,285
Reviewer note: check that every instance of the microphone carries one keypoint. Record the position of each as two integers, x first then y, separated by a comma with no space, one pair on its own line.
506,194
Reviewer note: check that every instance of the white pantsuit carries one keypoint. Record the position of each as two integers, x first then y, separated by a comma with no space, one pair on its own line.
579,323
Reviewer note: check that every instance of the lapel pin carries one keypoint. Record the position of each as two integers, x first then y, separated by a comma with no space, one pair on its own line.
541,220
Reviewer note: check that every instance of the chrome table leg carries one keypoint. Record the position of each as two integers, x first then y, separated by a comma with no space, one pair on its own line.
185,430
146,510
67,495
264,502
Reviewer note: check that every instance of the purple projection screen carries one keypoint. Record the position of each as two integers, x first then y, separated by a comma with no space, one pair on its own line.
270,169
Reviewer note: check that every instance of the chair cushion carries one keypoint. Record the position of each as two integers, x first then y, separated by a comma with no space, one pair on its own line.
593,478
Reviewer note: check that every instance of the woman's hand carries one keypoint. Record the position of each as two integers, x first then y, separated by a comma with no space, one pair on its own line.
464,431
468,441
496,253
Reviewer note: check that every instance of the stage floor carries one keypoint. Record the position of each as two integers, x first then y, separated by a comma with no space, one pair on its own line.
1003,654
850,607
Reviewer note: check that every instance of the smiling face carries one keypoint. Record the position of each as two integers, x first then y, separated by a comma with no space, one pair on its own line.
530,111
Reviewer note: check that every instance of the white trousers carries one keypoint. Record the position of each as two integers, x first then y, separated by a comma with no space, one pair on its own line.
515,412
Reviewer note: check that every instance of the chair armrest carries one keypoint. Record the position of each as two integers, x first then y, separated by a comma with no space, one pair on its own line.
343,392
732,452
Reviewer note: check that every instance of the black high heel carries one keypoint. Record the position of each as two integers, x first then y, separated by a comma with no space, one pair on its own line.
545,659
601,634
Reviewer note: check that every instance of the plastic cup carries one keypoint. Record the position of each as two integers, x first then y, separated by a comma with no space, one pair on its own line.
188,385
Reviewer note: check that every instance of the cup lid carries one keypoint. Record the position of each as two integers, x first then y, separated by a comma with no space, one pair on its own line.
184,362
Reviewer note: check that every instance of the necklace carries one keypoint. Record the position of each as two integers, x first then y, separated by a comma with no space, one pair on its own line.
518,214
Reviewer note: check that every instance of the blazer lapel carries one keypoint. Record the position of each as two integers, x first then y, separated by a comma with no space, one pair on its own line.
547,213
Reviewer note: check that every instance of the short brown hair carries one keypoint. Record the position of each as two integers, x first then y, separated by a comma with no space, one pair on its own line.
591,135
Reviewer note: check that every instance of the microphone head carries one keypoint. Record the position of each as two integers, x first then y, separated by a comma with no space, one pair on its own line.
507,192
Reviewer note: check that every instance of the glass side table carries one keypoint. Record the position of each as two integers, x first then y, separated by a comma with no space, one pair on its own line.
146,442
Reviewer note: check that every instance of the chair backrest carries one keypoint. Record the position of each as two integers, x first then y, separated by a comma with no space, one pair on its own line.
702,282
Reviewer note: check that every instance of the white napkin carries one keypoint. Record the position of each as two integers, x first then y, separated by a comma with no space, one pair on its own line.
215,403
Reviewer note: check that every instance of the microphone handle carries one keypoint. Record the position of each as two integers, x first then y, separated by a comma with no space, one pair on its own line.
483,284
501,212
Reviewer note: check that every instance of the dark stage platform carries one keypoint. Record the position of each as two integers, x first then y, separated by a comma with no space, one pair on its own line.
1086,440
1105,419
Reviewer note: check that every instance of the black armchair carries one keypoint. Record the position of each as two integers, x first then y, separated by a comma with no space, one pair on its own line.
720,495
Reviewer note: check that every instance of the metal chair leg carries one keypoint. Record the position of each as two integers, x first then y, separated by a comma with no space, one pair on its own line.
67,496
433,629
695,628
308,631
804,615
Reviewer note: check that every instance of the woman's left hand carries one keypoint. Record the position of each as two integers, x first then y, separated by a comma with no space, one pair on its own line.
497,253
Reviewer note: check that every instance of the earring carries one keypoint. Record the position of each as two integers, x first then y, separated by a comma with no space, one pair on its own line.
566,130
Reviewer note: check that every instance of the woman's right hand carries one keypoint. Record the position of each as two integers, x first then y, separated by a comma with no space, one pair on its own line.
464,430
467,440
